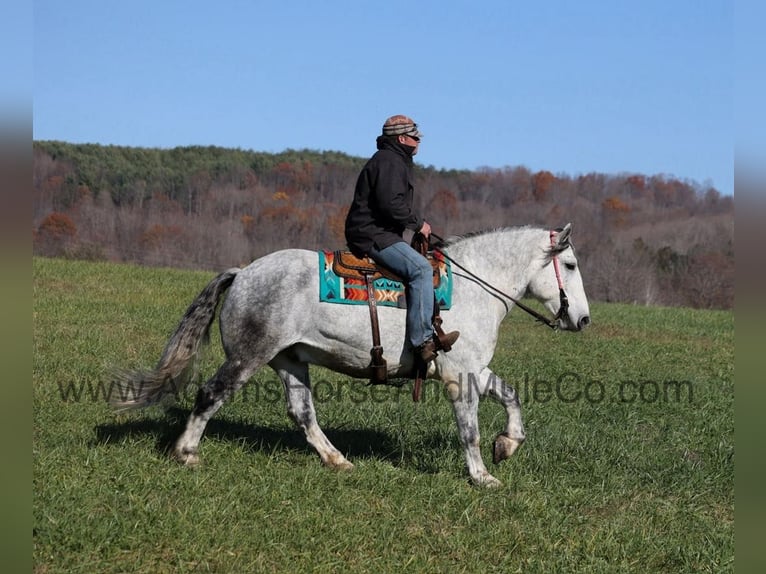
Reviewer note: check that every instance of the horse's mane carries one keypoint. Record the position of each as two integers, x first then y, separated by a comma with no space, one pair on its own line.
453,239
550,251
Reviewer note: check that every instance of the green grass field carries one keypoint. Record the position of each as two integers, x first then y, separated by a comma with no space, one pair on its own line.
628,464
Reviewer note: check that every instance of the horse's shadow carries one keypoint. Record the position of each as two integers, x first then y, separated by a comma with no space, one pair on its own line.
353,443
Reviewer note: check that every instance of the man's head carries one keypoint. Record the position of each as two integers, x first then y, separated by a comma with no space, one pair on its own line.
404,129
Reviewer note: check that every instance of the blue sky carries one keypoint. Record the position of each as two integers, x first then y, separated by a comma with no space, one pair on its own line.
572,87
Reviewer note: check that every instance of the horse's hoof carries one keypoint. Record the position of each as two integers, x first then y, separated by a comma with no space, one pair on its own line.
344,466
504,446
486,480
188,459
339,462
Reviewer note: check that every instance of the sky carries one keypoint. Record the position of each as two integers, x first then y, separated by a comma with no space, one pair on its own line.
572,87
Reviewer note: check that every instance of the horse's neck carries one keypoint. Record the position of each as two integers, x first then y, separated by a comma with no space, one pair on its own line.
503,258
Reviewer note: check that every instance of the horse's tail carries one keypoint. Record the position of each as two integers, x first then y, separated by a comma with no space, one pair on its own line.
138,389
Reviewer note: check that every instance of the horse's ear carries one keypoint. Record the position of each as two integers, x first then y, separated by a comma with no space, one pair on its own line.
563,236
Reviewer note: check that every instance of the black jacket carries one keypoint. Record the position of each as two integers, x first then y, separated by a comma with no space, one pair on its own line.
382,206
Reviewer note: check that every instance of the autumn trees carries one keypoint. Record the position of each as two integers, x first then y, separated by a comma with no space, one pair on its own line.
643,239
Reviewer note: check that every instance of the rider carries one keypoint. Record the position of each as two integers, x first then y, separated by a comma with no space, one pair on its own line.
379,214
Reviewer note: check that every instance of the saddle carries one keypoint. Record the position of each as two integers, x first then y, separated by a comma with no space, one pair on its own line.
348,265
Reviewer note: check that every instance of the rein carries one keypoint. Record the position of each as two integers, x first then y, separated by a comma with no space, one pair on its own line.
552,323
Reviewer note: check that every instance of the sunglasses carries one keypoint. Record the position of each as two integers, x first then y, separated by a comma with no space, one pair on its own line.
416,138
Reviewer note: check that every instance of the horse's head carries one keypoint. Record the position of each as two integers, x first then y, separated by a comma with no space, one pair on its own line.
544,285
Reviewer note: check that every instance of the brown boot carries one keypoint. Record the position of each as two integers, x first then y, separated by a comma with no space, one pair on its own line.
445,341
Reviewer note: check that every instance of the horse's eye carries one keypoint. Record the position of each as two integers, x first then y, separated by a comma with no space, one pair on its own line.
571,266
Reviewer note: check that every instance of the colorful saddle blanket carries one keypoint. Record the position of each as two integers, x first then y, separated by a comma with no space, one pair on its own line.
348,290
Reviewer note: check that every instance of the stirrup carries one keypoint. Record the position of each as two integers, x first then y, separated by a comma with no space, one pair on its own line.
378,367
427,351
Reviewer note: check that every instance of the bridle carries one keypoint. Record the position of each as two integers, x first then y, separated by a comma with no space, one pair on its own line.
563,299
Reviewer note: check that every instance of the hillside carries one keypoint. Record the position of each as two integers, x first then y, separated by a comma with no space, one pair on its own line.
648,239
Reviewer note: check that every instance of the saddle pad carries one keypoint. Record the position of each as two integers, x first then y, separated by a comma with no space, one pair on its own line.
388,293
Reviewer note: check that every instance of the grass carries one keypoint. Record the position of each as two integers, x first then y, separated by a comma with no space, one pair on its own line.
628,465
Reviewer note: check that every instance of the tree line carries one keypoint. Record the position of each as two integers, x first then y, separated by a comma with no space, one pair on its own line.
646,239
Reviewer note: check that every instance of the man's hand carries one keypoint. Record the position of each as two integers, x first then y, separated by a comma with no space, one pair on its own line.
425,229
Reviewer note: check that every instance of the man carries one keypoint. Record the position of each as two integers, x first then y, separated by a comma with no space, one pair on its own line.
379,214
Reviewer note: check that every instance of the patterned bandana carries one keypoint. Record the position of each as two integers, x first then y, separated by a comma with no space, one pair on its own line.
401,125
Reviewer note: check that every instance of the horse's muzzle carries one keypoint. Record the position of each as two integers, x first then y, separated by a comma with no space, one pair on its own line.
568,323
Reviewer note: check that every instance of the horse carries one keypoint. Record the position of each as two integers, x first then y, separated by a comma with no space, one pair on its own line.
272,316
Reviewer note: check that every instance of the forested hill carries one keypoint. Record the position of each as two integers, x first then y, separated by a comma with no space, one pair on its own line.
650,239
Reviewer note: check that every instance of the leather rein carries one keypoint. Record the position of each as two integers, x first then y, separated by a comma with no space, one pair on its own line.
563,299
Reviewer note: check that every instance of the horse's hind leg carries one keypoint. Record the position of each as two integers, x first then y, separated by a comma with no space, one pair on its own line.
227,380
300,407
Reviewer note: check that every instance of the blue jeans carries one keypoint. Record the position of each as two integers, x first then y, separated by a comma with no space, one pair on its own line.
418,276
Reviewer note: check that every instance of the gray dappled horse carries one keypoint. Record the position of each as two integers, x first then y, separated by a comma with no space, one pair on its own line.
272,315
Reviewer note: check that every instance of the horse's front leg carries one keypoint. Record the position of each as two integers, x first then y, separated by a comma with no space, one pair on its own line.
464,394
506,442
